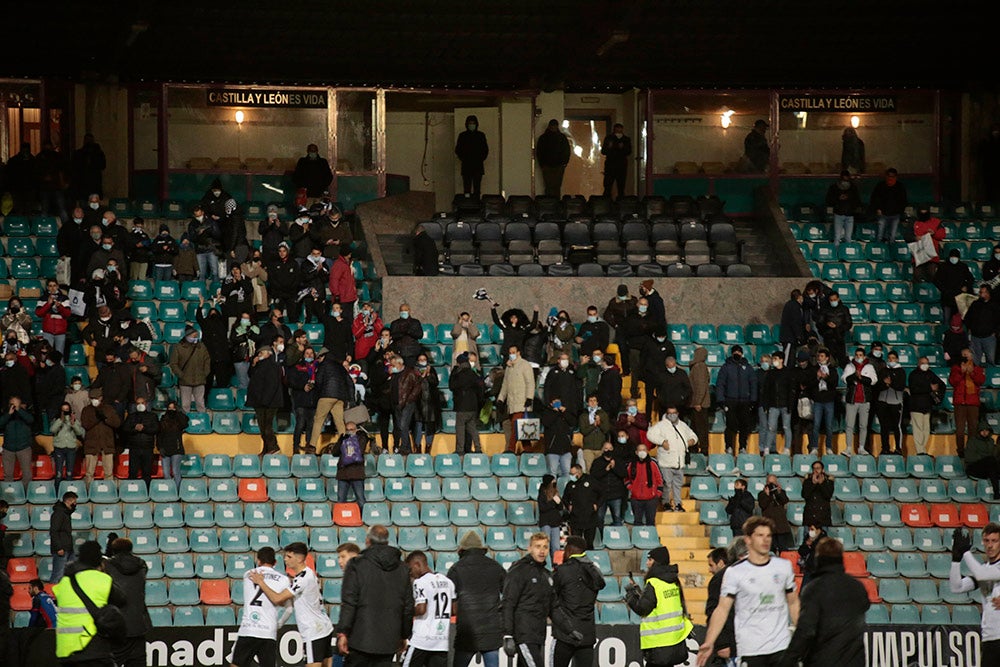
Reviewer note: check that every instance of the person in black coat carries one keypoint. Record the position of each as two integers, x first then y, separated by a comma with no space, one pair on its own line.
609,386
170,441
472,149
817,492
266,395
128,573
338,337
527,603
272,232
515,326
236,293
479,581
952,278
594,333
406,332
739,507
792,332
468,396
215,335
582,498
575,585
72,234
301,380
140,429
284,280
425,253
616,149
552,150
674,387
725,644
831,625
428,405
312,173
609,472
561,398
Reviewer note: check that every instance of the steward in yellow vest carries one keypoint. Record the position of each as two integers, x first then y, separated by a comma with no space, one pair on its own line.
665,625
76,633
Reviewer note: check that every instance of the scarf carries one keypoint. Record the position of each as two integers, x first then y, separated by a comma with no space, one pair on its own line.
648,472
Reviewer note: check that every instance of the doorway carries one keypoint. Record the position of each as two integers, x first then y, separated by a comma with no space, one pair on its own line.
586,130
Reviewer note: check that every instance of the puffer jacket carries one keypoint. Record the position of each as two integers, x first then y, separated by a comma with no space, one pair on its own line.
66,433
966,387
737,382
527,601
376,609
333,381
645,481
478,580
128,572
266,388
779,389
146,438
575,585
170,440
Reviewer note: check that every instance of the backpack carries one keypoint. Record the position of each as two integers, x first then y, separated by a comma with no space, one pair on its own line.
351,452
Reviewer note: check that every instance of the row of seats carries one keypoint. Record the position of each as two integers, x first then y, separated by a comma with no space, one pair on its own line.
949,212
868,538
931,614
545,207
594,270
582,232
922,466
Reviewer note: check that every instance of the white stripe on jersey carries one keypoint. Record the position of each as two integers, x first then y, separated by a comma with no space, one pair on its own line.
260,617
310,615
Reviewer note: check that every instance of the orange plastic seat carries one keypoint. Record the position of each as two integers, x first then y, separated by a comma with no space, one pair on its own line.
974,515
17,470
253,490
872,587
915,515
945,515
557,557
347,514
854,564
215,591
121,468
22,570
310,563
43,470
21,600
793,558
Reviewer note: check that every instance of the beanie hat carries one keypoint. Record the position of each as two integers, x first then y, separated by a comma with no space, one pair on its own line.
660,555
164,228
470,540
190,331
623,290
96,392
737,348
216,184
463,358
802,355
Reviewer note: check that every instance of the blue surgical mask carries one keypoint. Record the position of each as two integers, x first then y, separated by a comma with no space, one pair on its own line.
622,439
632,410
765,365
404,314
953,260
597,359
106,246
573,478
643,309
512,357
591,318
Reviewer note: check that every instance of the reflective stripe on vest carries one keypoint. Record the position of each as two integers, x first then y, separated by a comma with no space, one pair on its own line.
666,625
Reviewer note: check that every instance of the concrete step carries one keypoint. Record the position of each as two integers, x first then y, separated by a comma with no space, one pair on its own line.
683,543
680,530
677,518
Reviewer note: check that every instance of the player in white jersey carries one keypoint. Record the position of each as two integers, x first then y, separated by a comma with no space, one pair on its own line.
985,577
258,633
314,624
433,608
762,588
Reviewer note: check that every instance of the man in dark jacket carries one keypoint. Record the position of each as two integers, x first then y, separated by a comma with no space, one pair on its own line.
582,497
266,395
609,471
952,278
833,322
312,172
404,391
334,391
170,442
773,501
725,645
647,600
925,390
575,584
777,397
609,384
843,197
616,149
594,333
831,625
471,150
61,535
674,386
128,572
302,381
552,151
425,253
89,163
284,280
468,395
527,603
982,319
376,609
140,429
406,331
793,326
736,392
652,360
632,338
479,581
888,201
560,411
739,507
817,492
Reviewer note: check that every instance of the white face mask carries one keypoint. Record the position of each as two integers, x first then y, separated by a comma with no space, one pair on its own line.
95,205
140,407
95,402
813,534
642,455
280,347
564,363
673,417
953,260
76,386
925,367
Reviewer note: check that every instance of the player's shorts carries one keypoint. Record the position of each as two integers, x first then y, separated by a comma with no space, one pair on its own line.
248,648
416,657
320,649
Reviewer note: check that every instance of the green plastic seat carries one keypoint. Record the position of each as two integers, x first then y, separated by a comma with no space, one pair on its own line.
226,424
399,489
923,591
276,466
23,268
412,538
966,614
374,489
249,466
645,537
678,333
476,465
704,487
750,465
713,513
194,490
882,565
616,538
427,489
865,334
892,465
391,465
899,292
899,539
235,540
197,515
927,293
834,272
505,464
448,465
432,514
857,514
500,538
533,464
456,489
893,334
921,466
264,537
851,251
904,614
404,514
912,566
304,466
522,513
261,515
206,541
199,423
871,293
704,334
282,491
963,490
229,515
905,490
824,251
730,334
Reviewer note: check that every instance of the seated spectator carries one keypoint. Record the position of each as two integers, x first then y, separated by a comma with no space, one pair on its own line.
16,321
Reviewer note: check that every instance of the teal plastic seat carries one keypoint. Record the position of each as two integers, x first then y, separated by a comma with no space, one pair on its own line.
523,513
779,465
463,513
881,312
323,539
412,538
173,541
259,515
963,490
845,534
196,515
156,593
846,291
177,565
311,489
912,566
939,565
750,465
713,513
861,271
721,464
327,566
234,540
928,539
442,538
704,487
420,465
492,513
823,251
678,334
904,614
374,489
510,488
704,334
871,292
133,491
730,334
138,515
948,597
833,272
500,538
391,465
836,465
284,515
899,539
223,490
857,514
847,489
405,514
433,514
923,591
934,490
616,538
220,616
199,423
949,466
533,464
505,464
863,466
194,490
882,565
188,617
614,613
645,537
892,465
292,534
921,466
966,614
486,488
894,591
448,465
264,537
275,466
905,490
103,491
230,515
757,334
375,513
887,514
23,268
399,489
477,465
161,617
720,536
899,292
282,491
456,489
106,517
210,565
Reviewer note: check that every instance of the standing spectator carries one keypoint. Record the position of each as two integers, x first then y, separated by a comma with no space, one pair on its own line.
928,224
552,151
594,425
55,314
128,572
982,459
66,435
243,347
301,379
616,149
527,601
100,422
517,391
756,150
43,607
833,611
792,332
652,361
265,395
736,391
561,407
666,622
773,502
852,151
833,322
350,450
88,167
61,535
376,610
982,320
15,377
333,234
185,264
312,173
433,603
205,234
582,497
425,253
817,492
77,396
284,283
701,396
471,149
609,384
889,392
845,200
889,202
366,329
428,406
674,387
18,439
575,585
337,332
407,332
672,438
468,395
137,251
463,337
609,473
170,442
22,181
725,645
334,390
191,363
955,339
162,251
479,581
550,512
404,389
343,289
144,374
645,482
966,379
77,639
991,267
925,389
50,382
256,270
271,231
561,335
807,551
236,294
617,311
594,334
16,321
777,397
823,388
952,278
634,424
140,429
739,506
53,180
859,379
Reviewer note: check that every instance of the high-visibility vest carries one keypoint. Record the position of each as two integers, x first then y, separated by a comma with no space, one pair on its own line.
74,625
666,625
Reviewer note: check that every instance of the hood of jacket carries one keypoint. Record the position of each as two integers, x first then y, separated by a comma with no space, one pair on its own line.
700,355
590,575
386,557
60,507
127,564
663,572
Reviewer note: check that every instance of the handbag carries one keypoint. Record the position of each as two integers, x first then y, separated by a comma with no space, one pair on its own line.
805,408
528,428
109,620
358,414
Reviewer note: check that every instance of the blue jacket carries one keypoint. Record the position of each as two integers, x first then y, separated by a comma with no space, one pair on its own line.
737,382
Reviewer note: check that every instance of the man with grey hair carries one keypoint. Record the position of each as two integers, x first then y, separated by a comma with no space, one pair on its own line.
376,612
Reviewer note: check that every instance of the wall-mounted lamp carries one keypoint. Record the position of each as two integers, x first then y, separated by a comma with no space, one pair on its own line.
239,117
726,119
855,121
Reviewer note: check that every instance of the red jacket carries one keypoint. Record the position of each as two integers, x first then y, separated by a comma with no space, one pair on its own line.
957,379
366,334
55,317
342,287
638,479
934,228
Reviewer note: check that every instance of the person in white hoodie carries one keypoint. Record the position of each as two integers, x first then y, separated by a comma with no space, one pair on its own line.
859,377
672,438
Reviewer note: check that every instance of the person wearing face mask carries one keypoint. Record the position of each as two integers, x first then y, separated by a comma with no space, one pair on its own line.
312,173
966,378
191,364
609,384
367,329
255,269
561,335
301,379
991,268
93,212
407,332
16,423
404,392
983,320
925,390
807,550
170,441
284,282
265,396
889,393
236,294
67,432
736,391
889,202
645,482
516,394
428,414
302,235
343,289
673,387
594,425
860,379
561,398
594,333
616,149
138,250
338,337
845,200
15,377
50,383
273,328
242,346
582,497
954,340
928,225
114,381
552,150
16,321
513,324
617,311
215,337
272,231
792,332
104,255
185,265
61,534
632,336
469,396
205,235
952,279
100,422
162,251
817,492
672,438
834,321
822,389
140,429
71,235
471,149
634,425
765,443
77,396
777,397
463,336
333,234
